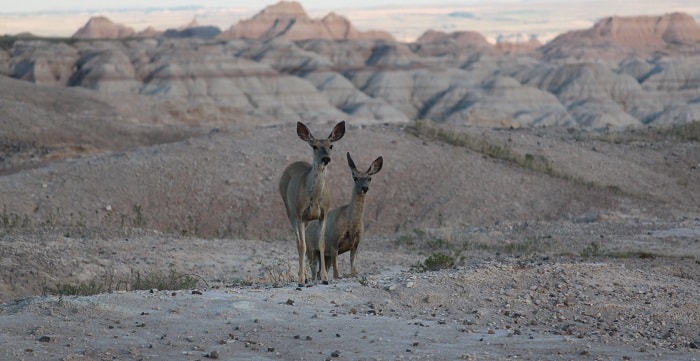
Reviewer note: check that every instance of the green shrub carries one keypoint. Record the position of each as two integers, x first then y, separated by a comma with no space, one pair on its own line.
437,261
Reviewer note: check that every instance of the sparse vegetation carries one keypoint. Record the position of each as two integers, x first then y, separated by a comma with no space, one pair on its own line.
545,245
592,250
530,246
170,280
13,222
595,249
278,272
688,132
436,262
10,221
191,228
427,128
534,162
424,239
137,280
405,240
139,219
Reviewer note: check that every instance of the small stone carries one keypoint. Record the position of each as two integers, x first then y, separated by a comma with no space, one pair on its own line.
335,353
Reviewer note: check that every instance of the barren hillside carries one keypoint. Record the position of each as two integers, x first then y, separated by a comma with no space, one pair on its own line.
623,72
529,208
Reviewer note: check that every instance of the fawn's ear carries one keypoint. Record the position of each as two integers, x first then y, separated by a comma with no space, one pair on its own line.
376,166
337,132
351,164
303,132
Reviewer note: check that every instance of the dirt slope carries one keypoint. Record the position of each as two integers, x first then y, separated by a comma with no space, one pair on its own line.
594,256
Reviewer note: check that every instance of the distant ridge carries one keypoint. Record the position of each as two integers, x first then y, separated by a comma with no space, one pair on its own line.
616,36
288,20
285,19
99,27
612,37
193,30
468,38
477,41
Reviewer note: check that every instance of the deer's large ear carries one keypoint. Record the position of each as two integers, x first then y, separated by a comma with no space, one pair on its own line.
337,132
303,132
376,166
351,164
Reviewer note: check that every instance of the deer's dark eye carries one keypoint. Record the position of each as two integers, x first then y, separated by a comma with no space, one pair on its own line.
315,147
330,146
369,179
354,178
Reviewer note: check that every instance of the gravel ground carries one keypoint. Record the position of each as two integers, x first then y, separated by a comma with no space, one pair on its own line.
495,303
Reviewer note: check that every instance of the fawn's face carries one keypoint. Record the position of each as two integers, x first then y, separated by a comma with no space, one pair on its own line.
362,179
321,147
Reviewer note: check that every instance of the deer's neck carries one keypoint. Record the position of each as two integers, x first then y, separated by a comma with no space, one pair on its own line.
316,181
356,208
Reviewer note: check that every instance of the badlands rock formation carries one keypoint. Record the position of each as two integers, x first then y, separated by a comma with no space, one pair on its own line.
193,30
100,27
282,66
288,20
614,37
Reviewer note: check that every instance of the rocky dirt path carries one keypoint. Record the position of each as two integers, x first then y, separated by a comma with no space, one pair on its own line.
548,309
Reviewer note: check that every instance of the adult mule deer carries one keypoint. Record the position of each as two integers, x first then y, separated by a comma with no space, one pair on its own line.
306,195
344,226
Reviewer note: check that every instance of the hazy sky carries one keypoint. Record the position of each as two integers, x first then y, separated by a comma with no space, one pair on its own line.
10,6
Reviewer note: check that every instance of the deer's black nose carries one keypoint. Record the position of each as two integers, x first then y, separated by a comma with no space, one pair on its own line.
365,189
326,160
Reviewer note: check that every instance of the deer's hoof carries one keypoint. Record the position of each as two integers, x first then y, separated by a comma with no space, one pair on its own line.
324,282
